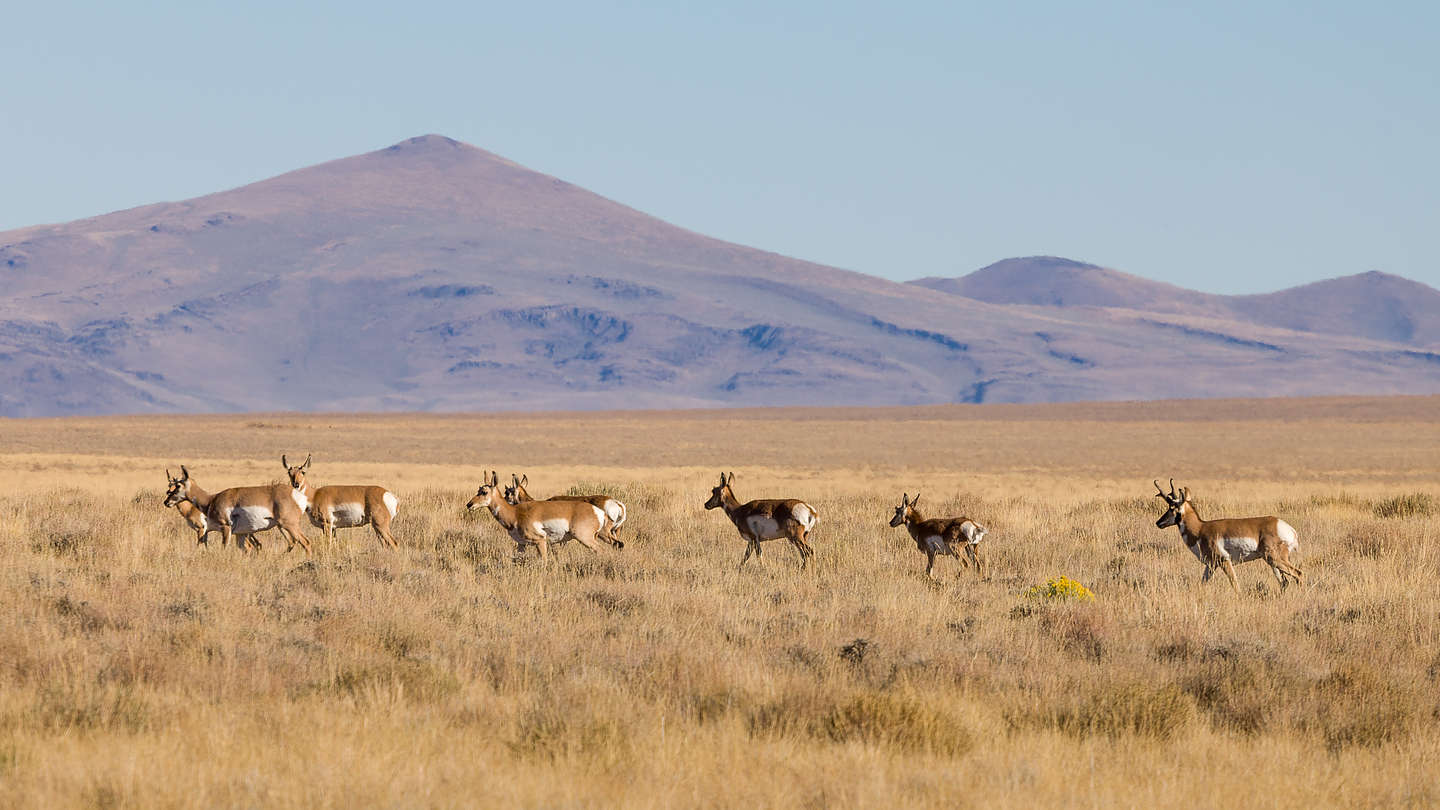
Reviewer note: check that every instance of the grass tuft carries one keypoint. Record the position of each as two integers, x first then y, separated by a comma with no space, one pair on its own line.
1409,505
1137,709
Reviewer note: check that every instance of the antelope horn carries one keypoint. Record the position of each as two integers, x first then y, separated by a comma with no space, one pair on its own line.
306,465
284,461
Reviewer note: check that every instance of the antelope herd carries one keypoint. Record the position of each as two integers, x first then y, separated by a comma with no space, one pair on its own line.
245,512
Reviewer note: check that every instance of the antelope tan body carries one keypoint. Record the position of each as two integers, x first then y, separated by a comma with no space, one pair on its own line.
936,536
193,515
201,525
1224,542
614,508
351,506
346,506
243,512
540,523
762,520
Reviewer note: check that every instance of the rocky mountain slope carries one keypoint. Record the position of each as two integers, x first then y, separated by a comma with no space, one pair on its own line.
1370,305
433,275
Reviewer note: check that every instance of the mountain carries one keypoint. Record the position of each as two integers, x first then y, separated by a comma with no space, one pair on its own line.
1371,305
433,275
1050,281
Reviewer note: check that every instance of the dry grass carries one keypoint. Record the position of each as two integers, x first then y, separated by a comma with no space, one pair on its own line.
137,670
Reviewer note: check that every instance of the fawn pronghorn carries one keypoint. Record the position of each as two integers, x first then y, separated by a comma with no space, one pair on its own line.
759,521
614,508
345,506
1219,543
245,511
540,523
940,535
194,515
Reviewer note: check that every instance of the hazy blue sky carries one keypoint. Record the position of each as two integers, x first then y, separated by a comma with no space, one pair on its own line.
1237,147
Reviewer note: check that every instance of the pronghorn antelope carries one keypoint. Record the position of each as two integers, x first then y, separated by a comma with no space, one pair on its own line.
194,515
540,523
614,508
345,507
940,535
759,521
245,511
1217,543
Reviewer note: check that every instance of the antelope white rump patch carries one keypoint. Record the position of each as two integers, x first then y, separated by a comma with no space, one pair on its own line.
1287,535
805,515
391,502
615,511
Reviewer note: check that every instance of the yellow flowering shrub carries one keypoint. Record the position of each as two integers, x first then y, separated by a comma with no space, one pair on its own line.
1061,588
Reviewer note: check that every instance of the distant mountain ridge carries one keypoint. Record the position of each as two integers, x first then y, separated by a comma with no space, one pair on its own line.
1372,305
433,275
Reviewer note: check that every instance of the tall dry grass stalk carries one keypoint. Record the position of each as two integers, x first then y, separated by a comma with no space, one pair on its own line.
137,670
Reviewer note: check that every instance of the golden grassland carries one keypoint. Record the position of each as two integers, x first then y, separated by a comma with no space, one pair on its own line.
139,670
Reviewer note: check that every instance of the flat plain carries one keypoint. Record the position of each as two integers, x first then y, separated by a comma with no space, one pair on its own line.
138,669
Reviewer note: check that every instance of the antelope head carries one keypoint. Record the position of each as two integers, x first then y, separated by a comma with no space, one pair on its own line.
717,495
517,485
1174,502
905,511
487,493
296,474
179,489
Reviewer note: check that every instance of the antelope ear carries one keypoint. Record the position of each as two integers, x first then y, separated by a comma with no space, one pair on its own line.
730,479
185,473
306,465
904,499
524,479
